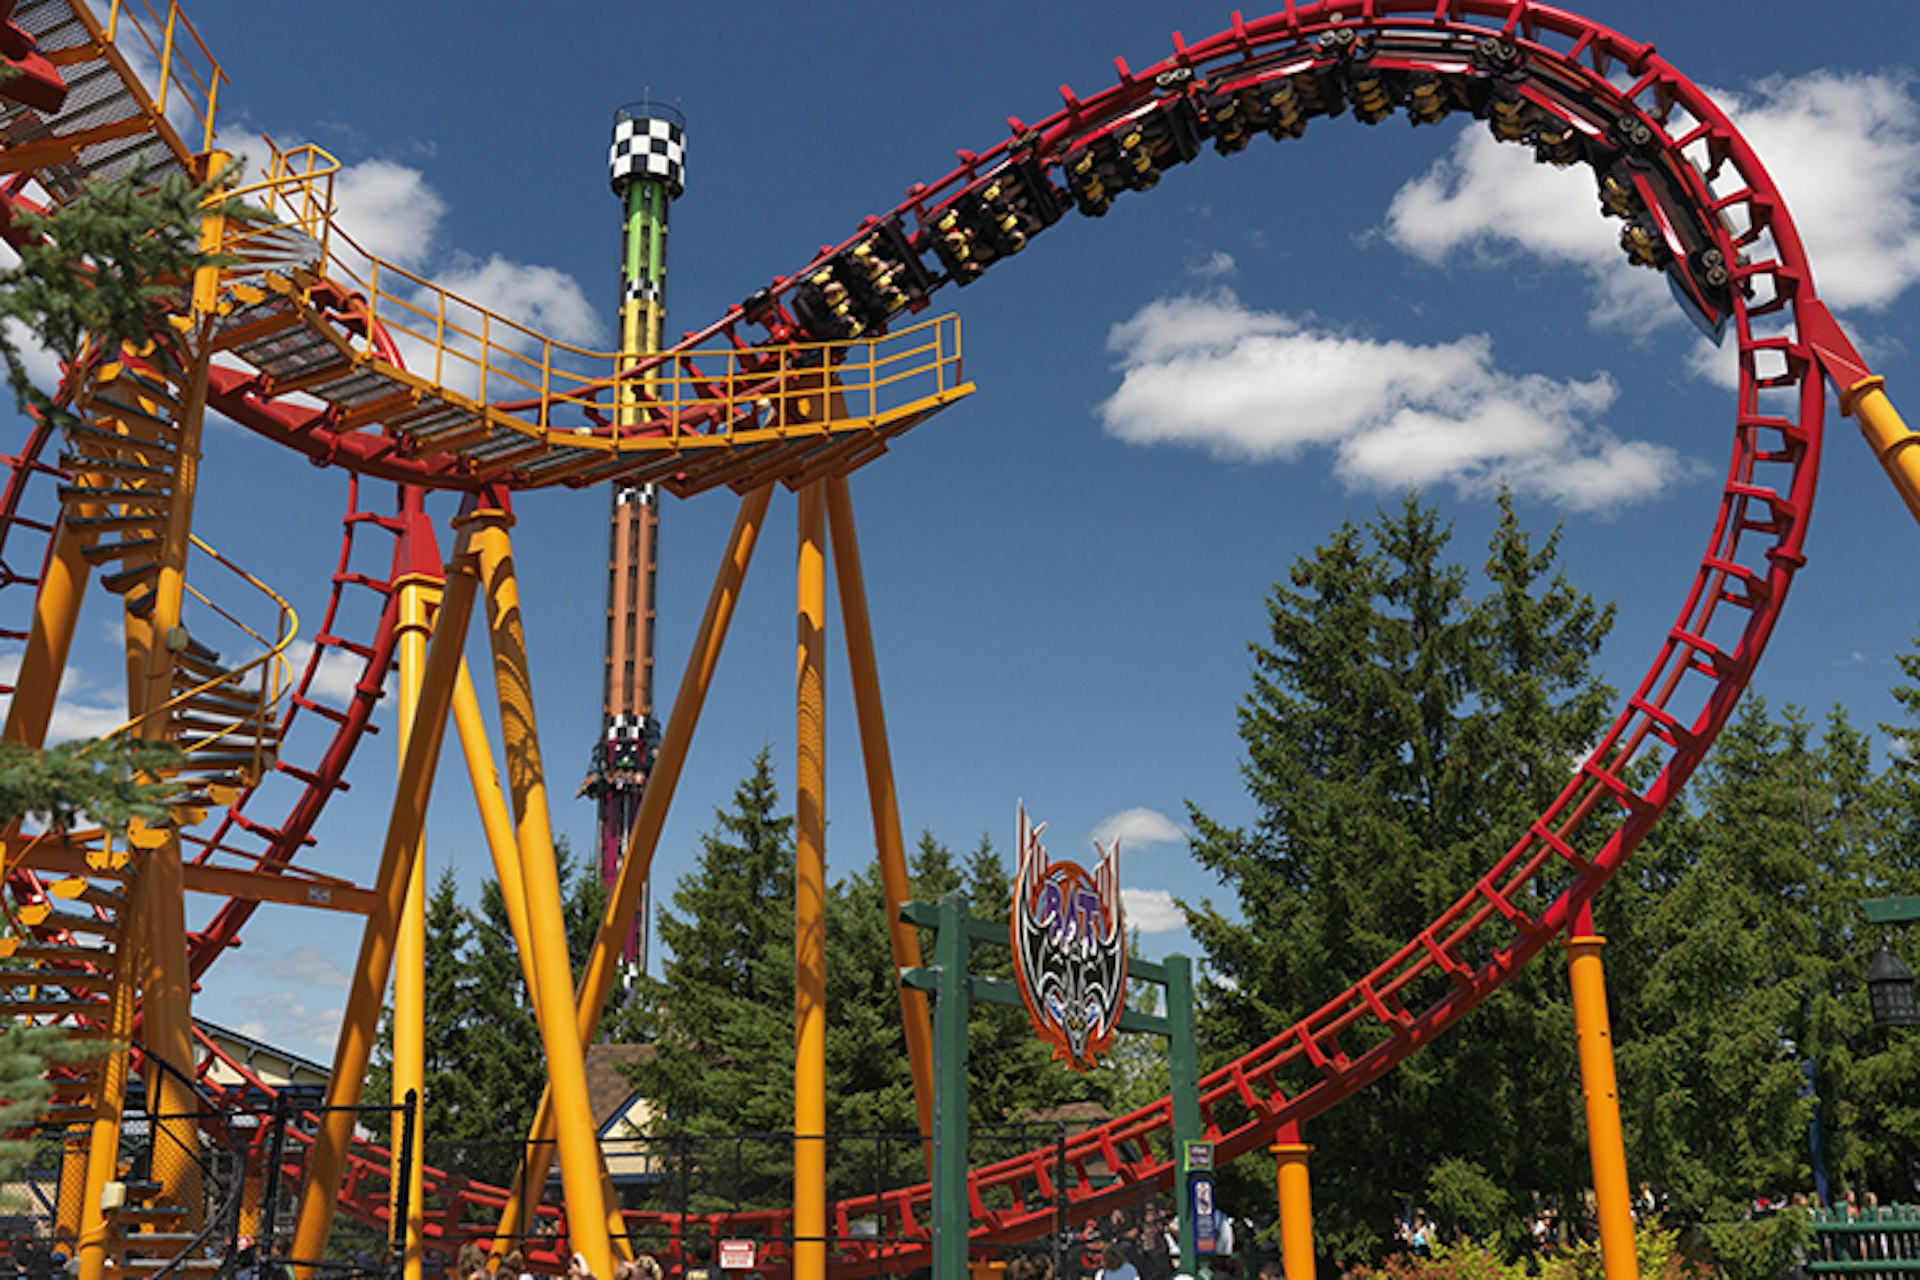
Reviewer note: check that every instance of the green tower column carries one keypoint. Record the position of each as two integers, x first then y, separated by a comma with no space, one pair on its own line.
647,169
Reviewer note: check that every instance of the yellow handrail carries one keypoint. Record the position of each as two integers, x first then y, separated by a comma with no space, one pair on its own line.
189,78
475,355
297,190
274,681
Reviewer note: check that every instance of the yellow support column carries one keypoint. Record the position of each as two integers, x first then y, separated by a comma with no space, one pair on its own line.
497,825
1295,1193
168,1032
56,609
809,899
1866,401
419,593
882,798
360,1023
1606,1142
596,981
109,1095
580,1172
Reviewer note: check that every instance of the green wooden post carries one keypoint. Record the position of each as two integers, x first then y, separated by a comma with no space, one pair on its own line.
1183,1068
950,1216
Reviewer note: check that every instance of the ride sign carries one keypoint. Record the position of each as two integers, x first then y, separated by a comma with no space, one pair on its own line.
1069,947
1206,1228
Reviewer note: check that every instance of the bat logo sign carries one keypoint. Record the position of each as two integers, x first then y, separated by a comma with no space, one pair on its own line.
1069,947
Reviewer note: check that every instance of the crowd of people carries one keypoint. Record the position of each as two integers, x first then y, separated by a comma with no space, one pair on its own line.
1143,1243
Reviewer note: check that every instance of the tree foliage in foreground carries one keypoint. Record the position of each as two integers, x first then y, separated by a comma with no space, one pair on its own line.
721,1015
1737,973
108,267
484,1069
1401,730
110,780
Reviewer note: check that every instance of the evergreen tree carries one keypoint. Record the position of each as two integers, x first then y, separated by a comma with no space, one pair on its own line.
1739,988
483,1052
111,780
107,267
722,1012
1399,733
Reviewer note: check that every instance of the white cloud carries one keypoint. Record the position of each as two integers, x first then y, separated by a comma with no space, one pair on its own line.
389,210
1139,826
1719,365
76,718
1843,148
1489,198
1246,385
84,709
1218,267
287,1020
309,966
293,998
1151,910
338,673
541,298
1845,151
42,365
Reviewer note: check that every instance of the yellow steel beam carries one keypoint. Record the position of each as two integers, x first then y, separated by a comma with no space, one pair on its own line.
1295,1192
882,798
580,1171
56,610
1891,440
596,980
69,857
360,1024
1606,1141
109,1094
809,896
167,1030
166,983
497,825
419,593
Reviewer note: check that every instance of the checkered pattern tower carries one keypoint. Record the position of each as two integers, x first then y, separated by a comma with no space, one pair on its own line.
647,165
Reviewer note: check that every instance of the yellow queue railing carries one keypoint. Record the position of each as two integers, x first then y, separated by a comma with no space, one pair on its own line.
161,35
537,383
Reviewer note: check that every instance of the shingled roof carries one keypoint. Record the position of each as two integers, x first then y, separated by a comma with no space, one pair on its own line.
609,1092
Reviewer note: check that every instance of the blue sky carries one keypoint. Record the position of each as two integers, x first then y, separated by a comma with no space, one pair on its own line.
1066,569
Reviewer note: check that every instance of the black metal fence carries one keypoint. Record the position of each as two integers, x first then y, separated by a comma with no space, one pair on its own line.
201,1193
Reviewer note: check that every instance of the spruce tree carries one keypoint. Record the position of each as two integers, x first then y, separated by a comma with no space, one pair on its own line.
723,1009
1399,732
1739,988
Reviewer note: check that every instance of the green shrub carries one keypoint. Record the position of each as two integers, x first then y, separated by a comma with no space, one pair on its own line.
1467,1202
1464,1259
1759,1248
1656,1248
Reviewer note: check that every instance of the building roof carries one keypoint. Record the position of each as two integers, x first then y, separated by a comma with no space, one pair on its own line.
609,1092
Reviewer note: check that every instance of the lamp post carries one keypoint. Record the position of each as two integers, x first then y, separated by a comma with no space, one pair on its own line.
1890,982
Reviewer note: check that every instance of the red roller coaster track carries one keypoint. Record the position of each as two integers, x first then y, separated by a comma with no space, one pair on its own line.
1694,203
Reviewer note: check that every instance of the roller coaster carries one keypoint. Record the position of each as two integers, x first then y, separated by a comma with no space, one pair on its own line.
303,337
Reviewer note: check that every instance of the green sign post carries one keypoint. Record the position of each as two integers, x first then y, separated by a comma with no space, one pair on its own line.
952,987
